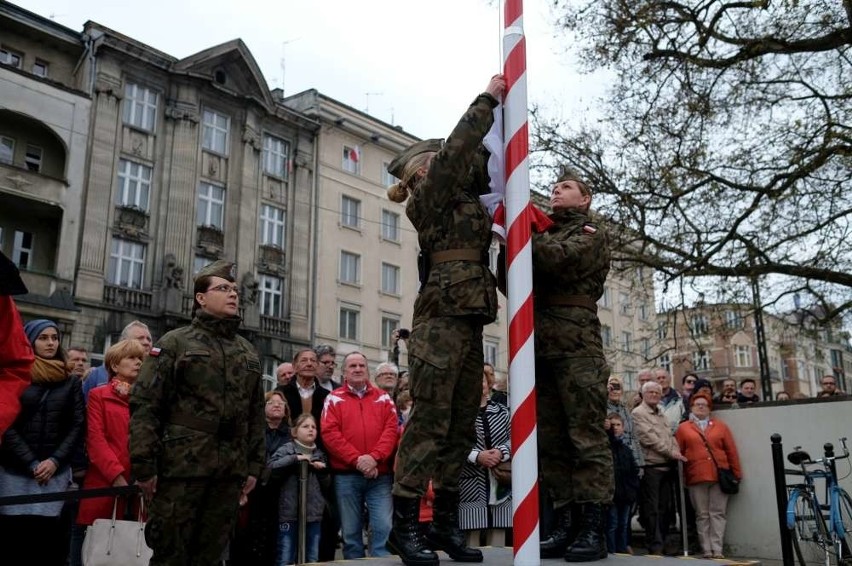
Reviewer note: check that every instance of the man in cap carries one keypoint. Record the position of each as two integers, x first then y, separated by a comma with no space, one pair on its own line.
570,266
197,426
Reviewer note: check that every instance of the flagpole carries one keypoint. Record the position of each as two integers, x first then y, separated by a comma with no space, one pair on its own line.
525,519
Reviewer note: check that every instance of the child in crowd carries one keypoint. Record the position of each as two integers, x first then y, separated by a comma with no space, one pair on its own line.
285,462
626,488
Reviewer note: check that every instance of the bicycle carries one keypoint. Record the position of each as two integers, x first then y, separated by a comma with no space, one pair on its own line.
821,533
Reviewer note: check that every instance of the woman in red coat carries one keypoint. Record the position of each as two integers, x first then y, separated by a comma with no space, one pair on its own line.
696,438
108,415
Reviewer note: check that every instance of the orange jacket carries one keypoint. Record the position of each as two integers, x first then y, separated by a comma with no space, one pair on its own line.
699,466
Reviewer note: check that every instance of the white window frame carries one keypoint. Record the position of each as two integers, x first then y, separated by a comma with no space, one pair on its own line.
390,322
270,379
665,362
129,256
350,212
134,184
273,221
216,135
699,325
199,262
701,360
7,155
605,301
349,322
387,178
734,319
490,350
22,255
276,156
742,356
351,159
662,329
390,225
271,295
140,106
623,302
40,68
350,268
646,348
210,201
606,336
643,311
33,158
11,58
390,278
626,341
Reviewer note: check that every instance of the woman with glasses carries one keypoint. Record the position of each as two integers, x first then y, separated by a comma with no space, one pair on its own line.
707,445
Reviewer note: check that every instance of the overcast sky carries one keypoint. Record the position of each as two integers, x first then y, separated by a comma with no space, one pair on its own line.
421,62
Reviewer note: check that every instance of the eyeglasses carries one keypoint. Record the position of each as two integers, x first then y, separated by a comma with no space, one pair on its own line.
224,288
729,396
696,404
614,387
689,381
329,363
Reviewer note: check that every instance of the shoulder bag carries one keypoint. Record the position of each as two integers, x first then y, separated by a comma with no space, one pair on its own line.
110,542
728,482
502,472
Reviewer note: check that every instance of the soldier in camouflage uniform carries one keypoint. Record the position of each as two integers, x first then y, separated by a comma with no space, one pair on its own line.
570,264
197,427
457,297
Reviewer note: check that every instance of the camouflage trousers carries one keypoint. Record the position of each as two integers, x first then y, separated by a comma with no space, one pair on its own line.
190,521
574,454
445,365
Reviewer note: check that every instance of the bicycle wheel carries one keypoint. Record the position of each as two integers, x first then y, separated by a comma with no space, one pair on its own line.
811,540
844,527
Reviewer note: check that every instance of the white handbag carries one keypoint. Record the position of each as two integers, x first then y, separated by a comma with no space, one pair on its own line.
110,542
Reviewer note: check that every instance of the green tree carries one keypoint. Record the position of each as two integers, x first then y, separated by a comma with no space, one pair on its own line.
724,149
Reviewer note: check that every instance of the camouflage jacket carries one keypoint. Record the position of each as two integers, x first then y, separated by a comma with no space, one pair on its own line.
571,258
445,210
197,408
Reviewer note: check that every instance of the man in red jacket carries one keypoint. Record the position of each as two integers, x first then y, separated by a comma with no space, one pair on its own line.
360,432
16,354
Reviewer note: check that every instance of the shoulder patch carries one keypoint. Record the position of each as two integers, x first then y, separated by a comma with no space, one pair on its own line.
589,228
155,351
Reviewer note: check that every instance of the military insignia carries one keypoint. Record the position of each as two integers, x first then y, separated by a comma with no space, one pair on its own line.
155,351
252,365
589,229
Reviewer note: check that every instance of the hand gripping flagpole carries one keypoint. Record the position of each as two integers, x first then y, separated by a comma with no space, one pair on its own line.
519,285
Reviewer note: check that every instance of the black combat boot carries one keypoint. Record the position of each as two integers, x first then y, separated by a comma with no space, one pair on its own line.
444,534
590,543
405,539
561,535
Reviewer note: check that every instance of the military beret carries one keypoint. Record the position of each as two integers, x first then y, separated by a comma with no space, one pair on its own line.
219,268
398,163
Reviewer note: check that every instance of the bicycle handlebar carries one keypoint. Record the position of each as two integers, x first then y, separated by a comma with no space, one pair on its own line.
827,459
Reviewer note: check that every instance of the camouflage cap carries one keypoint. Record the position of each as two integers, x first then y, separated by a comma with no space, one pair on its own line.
219,268
396,166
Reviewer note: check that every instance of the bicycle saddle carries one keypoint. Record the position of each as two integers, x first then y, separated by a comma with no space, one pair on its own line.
797,457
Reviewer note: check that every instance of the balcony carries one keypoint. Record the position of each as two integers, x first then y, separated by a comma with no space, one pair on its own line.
210,240
131,221
134,300
272,259
274,326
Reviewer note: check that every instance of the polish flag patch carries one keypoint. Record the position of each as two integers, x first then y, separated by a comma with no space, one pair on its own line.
589,229
154,352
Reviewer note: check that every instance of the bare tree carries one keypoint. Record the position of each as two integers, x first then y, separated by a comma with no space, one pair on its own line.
725,150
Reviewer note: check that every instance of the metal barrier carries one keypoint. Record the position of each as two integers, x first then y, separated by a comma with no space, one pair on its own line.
780,475
70,495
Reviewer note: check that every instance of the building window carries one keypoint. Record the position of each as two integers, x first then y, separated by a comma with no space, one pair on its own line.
390,226
32,159
490,349
623,303
626,339
211,206
646,348
387,178
134,184
10,58
605,300
700,360
272,226
215,136
606,336
351,159
350,268
390,279
40,69
698,325
270,377
271,294
7,150
140,106
199,262
349,323
22,252
643,311
665,362
276,156
743,356
350,212
662,329
126,264
734,320
389,324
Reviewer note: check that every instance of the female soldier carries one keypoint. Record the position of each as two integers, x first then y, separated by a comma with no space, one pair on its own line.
442,183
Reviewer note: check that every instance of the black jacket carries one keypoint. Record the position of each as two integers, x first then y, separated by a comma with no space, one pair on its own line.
625,470
294,403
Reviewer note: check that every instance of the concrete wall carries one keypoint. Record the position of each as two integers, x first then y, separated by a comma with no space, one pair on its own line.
752,529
